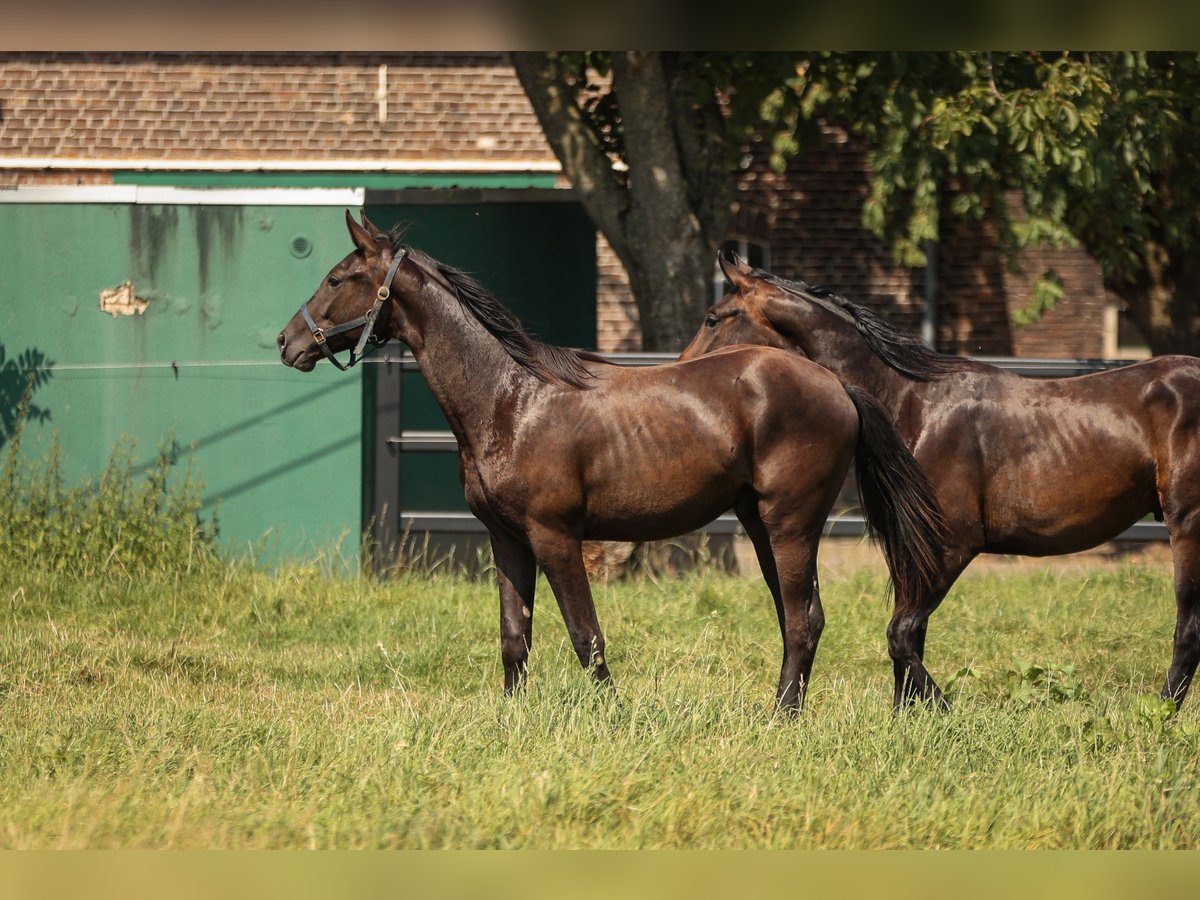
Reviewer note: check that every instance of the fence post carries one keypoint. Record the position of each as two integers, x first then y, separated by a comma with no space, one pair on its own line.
383,456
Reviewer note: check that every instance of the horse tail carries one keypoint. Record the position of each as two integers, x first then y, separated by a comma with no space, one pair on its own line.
902,512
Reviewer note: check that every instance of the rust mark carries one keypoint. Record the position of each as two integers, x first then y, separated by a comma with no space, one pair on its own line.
122,301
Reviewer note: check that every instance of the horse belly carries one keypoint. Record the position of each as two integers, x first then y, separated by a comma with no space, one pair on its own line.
1063,512
648,496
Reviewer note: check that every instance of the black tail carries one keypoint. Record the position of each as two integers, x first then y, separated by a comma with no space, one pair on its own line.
902,511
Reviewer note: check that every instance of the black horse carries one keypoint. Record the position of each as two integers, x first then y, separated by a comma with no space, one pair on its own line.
1029,466
556,446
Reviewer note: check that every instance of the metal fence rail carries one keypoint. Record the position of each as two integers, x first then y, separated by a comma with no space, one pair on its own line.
847,525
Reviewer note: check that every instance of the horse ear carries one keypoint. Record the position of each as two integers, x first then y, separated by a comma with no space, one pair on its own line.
362,237
371,226
736,271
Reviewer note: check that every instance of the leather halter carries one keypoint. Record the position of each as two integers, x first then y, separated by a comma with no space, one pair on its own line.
367,320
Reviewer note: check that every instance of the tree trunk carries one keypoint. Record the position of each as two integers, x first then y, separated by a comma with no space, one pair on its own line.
671,271
674,288
644,212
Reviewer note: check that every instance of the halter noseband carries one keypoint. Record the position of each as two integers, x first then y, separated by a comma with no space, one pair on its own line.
367,321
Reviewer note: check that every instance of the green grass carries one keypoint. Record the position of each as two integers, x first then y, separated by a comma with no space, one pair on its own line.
231,708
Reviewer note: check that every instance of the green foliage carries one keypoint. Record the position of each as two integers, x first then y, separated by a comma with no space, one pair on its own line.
1093,735
955,682
1047,291
1053,148
1098,147
133,520
1155,711
1033,683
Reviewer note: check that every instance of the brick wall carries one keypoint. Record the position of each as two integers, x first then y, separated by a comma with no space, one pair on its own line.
978,293
617,319
1074,327
811,216
972,316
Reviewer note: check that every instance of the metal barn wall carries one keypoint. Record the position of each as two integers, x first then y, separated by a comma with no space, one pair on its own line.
279,451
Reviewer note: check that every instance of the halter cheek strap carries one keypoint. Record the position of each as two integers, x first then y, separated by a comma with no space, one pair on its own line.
367,321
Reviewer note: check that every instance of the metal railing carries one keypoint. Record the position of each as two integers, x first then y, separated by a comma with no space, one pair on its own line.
844,525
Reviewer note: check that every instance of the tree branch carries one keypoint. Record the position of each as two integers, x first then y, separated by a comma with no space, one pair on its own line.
583,160
702,139
991,73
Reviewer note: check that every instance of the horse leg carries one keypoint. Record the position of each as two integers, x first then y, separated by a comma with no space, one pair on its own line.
561,557
816,612
747,513
1185,547
787,553
1179,499
796,560
906,638
516,574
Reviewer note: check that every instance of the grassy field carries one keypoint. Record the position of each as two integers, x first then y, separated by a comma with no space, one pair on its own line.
237,709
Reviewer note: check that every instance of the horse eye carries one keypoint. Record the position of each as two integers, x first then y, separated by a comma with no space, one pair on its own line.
333,281
710,320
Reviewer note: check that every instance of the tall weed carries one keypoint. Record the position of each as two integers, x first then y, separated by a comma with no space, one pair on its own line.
132,521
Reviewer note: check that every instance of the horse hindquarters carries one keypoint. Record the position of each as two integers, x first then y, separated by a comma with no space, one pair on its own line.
804,440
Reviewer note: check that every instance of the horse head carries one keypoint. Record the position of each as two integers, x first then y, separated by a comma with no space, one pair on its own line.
352,305
741,316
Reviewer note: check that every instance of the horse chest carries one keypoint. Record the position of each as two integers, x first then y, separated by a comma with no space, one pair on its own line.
487,488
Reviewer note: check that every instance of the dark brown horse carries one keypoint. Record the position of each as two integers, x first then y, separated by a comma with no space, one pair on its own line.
1030,466
556,446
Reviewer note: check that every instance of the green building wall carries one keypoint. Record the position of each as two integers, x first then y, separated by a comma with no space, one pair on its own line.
279,452
288,460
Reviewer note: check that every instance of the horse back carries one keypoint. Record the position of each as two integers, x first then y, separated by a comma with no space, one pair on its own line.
1174,380
1160,393
1068,463
776,393
670,447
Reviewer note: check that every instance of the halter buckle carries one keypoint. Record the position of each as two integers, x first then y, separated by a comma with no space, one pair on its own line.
318,335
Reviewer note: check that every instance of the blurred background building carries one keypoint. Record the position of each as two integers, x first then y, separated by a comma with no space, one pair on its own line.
210,189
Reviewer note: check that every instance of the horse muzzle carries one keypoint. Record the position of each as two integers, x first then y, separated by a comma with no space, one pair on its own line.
300,359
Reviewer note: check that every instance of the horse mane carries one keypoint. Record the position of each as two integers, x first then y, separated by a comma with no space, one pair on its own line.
545,361
904,352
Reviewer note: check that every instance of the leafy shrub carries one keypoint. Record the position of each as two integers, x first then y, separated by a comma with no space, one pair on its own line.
132,521
1032,683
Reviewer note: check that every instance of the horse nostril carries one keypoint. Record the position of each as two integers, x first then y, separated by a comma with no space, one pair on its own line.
281,340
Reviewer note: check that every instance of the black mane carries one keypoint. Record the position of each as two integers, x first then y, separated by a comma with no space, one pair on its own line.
904,352
544,361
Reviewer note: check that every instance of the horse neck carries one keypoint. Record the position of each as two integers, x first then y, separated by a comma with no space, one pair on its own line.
837,345
468,372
